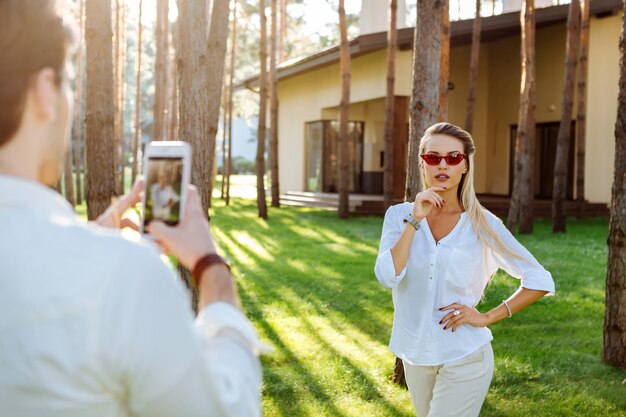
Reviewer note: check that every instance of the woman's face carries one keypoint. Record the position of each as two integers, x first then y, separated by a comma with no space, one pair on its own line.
443,175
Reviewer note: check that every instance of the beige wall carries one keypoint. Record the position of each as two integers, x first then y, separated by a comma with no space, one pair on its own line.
315,95
602,107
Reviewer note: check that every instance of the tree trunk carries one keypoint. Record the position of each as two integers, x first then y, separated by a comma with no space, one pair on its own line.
100,110
216,54
424,107
521,207
78,120
137,137
160,70
389,161
231,79
68,181
120,94
564,137
473,73
282,38
172,120
581,119
614,351
444,69
193,87
172,124
344,161
260,150
398,376
273,82
224,131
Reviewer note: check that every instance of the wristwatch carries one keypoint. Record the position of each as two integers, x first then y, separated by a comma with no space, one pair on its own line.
409,219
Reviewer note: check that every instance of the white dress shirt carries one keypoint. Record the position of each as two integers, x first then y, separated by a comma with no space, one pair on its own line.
454,270
92,324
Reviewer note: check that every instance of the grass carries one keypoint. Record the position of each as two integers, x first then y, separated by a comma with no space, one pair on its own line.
306,281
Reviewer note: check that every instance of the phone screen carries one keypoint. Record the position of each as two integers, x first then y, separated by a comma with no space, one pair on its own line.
163,190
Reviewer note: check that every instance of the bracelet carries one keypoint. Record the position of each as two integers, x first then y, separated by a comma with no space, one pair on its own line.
204,263
508,308
409,219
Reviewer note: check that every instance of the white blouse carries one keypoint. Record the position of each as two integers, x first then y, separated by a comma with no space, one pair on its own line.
454,270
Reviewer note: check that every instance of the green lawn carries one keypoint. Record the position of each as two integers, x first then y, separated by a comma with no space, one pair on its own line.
306,281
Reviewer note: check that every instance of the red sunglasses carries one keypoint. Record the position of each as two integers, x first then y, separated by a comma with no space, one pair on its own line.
454,159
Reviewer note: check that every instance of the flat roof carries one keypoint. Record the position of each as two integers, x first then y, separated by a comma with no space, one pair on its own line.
492,28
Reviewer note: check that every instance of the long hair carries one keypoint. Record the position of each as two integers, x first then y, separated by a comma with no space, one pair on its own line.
466,193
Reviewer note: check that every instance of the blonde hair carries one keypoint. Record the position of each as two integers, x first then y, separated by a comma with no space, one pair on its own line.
466,193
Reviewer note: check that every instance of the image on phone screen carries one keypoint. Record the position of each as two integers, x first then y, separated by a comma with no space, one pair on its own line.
163,190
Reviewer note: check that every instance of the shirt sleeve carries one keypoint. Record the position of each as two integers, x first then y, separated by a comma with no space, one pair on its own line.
170,364
532,274
384,269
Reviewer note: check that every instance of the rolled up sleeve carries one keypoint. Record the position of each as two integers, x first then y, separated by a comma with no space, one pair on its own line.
384,268
532,274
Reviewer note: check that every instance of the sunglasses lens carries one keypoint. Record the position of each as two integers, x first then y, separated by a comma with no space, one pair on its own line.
454,159
431,159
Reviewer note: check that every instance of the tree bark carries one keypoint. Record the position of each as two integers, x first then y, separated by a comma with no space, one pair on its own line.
261,132
564,136
216,53
473,73
581,119
282,54
273,82
100,111
231,79
68,181
120,94
344,108
424,107
522,195
137,137
78,120
392,36
160,70
172,119
444,69
224,131
614,351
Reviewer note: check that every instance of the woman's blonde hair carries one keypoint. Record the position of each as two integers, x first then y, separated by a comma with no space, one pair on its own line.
466,193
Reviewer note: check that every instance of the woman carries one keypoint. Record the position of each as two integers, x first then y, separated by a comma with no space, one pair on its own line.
438,254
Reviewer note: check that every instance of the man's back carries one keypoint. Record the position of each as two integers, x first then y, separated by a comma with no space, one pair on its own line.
92,324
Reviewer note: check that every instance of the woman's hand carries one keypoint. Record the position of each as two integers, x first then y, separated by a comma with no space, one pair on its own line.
466,315
426,200
112,217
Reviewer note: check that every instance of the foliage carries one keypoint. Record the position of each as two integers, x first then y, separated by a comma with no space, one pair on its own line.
306,281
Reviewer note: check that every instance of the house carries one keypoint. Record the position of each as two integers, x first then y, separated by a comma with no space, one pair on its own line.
309,92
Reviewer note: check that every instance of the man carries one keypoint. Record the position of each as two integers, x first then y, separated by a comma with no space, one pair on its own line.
92,324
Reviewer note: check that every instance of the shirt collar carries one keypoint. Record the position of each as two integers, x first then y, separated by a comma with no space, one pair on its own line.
22,192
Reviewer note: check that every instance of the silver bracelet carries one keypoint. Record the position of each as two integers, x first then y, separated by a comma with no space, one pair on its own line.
409,219
508,308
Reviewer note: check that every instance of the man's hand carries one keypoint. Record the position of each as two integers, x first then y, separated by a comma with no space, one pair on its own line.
191,239
112,217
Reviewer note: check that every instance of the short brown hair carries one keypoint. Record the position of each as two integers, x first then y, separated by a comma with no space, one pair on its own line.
33,36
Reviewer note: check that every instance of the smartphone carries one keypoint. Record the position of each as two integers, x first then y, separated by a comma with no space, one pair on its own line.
166,171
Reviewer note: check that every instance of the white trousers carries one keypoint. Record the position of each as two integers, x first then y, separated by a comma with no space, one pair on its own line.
454,389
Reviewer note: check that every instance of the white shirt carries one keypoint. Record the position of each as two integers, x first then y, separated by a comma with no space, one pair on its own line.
92,324
454,270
